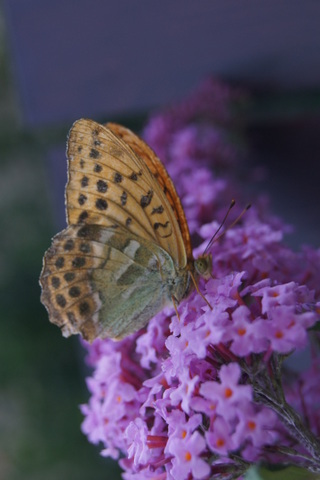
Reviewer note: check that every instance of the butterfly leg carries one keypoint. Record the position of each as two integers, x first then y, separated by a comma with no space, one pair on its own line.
198,291
175,307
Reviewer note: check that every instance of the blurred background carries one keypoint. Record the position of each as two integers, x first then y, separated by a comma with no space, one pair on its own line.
121,60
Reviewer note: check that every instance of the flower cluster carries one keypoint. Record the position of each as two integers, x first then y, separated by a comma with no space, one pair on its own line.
202,395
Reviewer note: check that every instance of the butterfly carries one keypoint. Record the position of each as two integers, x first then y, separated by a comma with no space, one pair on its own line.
126,252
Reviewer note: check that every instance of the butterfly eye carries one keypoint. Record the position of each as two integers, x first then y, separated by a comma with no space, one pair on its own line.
203,266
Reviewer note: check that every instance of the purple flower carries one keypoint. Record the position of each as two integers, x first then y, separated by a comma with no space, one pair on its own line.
182,394
256,427
187,459
286,330
180,426
136,436
227,394
219,437
178,399
277,295
245,333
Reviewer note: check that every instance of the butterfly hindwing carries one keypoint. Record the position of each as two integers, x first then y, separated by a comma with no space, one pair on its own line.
101,281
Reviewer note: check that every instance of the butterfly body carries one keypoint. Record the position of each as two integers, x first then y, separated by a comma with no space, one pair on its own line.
126,252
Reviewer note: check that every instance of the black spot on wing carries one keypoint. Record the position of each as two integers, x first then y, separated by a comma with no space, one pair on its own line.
69,245
83,216
159,209
82,199
162,228
84,308
102,186
55,281
78,262
101,204
94,153
84,181
123,198
61,301
117,177
74,292
84,231
69,276
59,262
145,200
158,225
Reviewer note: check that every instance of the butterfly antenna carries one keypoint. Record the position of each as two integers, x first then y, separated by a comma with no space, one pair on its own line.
215,236
232,204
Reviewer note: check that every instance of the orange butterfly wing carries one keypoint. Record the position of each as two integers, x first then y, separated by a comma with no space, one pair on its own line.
110,182
158,170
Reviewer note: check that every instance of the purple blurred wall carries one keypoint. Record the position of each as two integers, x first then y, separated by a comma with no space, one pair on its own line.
94,58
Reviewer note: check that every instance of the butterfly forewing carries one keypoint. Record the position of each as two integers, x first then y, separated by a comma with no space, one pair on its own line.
109,184
157,168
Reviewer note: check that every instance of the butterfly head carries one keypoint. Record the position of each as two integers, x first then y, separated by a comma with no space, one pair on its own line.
203,265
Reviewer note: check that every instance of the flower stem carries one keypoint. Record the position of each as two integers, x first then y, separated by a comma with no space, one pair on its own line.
268,390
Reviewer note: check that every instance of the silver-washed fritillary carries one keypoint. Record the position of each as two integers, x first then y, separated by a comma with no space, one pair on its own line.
126,252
